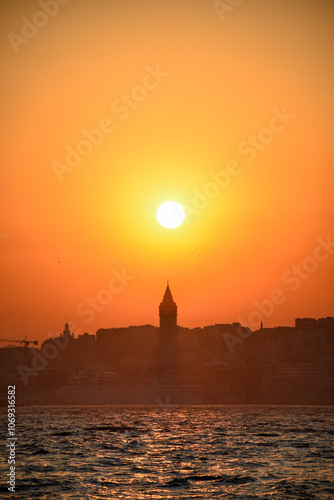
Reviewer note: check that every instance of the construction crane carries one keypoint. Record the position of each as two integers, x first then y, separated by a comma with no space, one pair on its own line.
25,341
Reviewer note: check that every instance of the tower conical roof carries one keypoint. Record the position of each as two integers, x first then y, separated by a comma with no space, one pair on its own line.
167,301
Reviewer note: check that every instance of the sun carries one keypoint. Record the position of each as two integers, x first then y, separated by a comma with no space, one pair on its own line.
170,214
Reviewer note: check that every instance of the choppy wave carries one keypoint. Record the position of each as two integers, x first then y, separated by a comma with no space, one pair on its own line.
130,453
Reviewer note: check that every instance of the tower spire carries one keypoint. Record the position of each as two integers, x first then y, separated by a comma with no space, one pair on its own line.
168,311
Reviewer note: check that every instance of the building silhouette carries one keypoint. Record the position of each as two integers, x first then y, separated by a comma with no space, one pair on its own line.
169,338
228,362
168,313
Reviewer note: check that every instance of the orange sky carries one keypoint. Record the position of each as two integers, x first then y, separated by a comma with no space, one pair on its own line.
179,92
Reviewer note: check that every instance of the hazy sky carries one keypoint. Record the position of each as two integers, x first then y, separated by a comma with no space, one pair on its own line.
227,110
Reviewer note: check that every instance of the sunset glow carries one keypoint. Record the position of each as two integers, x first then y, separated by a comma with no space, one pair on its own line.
109,111
167,249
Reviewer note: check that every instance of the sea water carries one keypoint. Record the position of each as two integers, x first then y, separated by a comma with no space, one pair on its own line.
168,452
